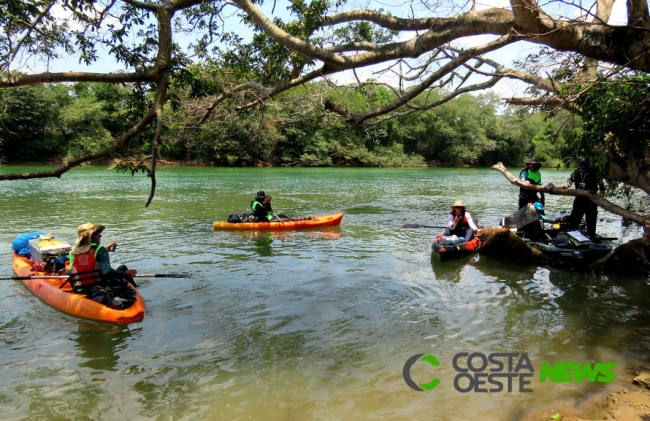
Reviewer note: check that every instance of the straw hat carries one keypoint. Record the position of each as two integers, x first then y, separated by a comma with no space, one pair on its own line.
84,232
458,203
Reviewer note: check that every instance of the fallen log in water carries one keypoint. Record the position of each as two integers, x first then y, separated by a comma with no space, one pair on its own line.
503,243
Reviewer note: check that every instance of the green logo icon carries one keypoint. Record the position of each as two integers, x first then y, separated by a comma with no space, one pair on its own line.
407,372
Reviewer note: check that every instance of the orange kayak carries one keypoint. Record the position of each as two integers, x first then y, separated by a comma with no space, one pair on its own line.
76,304
299,223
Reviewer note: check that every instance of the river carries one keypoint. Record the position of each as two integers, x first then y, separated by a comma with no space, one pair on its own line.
302,325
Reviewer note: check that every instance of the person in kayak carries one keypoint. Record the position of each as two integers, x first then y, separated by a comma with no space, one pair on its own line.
89,262
585,178
261,207
530,175
460,222
262,210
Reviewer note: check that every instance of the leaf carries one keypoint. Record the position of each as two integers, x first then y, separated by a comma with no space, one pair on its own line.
556,416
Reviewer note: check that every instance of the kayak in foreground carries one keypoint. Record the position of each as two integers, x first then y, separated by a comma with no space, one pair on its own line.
296,223
448,247
50,291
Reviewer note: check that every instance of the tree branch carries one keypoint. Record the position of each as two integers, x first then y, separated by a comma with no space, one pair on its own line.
123,142
415,91
594,197
35,79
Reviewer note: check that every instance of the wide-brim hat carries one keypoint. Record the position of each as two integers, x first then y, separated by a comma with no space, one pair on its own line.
85,231
533,160
458,203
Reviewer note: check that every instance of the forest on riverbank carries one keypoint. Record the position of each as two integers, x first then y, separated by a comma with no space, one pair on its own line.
58,121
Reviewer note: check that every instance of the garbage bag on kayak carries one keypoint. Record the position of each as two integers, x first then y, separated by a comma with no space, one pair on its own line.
21,243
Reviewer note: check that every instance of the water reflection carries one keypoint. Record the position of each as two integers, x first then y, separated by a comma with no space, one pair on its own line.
99,345
450,270
262,244
263,240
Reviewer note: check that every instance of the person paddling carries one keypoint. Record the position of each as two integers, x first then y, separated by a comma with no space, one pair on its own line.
460,222
89,261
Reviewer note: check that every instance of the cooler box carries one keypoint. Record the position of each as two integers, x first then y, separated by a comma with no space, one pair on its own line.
40,248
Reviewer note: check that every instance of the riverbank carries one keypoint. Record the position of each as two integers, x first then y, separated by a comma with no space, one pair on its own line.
166,162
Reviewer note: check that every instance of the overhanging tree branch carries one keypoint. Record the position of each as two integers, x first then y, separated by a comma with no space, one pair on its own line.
594,197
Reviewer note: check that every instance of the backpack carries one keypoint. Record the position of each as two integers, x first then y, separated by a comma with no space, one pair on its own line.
236,218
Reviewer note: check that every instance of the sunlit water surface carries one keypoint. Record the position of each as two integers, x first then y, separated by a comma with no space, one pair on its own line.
301,325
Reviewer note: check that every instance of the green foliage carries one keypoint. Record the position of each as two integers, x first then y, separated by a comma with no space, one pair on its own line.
455,133
50,122
616,116
29,125
248,139
362,31
82,123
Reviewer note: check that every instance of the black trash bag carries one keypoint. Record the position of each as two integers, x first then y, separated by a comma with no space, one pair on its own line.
241,217
119,297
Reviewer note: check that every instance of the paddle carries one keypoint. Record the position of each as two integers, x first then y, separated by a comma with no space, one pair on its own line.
278,218
163,275
421,226
148,275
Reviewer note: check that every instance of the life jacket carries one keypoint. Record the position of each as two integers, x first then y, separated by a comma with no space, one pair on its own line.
535,178
260,210
85,270
462,224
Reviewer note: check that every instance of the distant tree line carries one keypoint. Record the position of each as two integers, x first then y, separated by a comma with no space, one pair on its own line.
54,122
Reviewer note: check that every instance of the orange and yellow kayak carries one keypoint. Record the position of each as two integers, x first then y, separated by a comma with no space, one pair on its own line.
297,223
63,299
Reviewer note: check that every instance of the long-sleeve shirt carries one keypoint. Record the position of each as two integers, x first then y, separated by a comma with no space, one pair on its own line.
105,264
547,219
452,224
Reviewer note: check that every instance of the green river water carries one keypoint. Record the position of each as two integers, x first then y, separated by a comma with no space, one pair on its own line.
301,325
